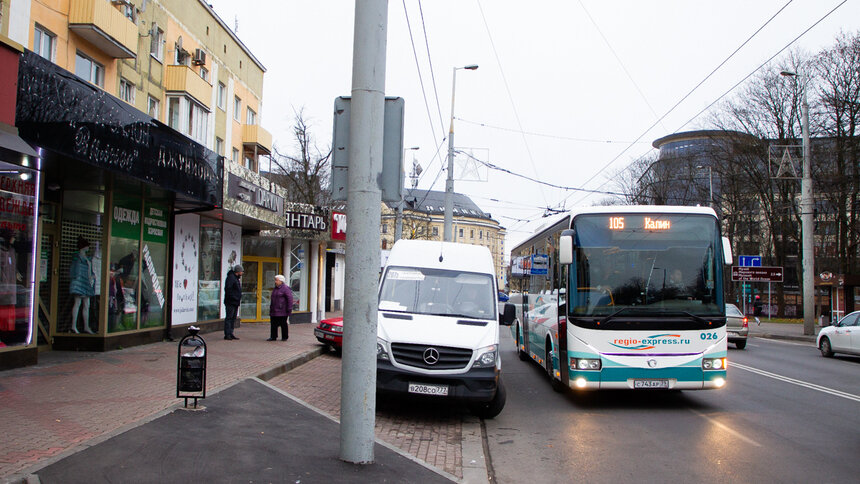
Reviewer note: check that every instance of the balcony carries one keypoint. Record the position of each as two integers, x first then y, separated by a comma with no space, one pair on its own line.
105,27
184,79
259,139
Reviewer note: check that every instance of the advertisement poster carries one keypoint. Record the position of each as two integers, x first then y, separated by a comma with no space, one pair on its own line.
231,253
186,243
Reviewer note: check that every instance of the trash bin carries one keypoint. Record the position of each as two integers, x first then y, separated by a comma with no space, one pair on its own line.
191,367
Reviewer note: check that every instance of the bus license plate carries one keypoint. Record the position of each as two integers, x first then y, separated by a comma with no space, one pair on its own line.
655,383
428,389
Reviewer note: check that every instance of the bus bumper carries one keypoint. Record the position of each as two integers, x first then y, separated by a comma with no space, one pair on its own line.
607,379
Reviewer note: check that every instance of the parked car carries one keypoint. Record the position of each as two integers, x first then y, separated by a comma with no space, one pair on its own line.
737,326
330,333
842,337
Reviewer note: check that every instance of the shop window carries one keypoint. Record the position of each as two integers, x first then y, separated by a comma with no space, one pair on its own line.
297,275
17,206
209,271
79,282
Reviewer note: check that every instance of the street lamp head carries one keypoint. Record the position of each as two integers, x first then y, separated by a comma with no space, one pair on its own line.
788,73
415,148
471,67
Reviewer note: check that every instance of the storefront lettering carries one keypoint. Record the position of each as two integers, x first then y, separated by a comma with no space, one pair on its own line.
127,215
99,151
297,220
15,206
247,192
156,286
179,162
17,185
268,200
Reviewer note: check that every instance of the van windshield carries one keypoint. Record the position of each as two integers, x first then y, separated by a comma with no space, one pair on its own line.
438,292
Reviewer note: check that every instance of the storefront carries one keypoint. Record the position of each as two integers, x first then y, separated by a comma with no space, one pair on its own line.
112,180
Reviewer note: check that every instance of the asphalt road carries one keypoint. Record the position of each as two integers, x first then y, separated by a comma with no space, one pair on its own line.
786,415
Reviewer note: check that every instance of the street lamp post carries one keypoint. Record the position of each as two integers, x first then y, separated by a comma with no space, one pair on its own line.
806,212
449,182
398,221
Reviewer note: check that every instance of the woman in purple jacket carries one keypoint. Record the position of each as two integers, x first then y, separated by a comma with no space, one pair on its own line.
280,309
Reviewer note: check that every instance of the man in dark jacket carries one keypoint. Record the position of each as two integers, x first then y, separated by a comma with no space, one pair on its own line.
232,299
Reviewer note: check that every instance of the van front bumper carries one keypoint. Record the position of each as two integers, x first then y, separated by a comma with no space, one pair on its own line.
477,384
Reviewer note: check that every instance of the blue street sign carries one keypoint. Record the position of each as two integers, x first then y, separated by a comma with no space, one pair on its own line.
749,260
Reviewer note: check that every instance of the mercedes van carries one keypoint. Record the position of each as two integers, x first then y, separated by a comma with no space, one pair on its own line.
438,324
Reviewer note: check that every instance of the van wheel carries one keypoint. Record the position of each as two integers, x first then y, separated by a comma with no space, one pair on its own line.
825,348
522,354
487,410
555,383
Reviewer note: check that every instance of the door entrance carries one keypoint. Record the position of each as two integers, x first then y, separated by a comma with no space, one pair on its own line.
257,284
48,270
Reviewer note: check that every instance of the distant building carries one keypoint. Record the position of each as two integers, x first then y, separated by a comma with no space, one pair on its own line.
424,218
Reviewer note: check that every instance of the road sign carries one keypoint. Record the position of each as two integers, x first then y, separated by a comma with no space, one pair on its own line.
757,274
749,260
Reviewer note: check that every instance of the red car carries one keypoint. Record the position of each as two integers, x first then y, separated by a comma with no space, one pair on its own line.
330,333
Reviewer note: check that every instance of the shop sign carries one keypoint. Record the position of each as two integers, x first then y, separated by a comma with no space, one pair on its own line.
155,224
338,226
125,217
245,191
306,221
67,115
185,243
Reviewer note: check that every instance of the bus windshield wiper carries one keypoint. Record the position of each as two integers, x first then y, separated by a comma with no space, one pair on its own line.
612,316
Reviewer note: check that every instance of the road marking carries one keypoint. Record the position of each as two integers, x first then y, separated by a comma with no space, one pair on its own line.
727,428
782,341
811,386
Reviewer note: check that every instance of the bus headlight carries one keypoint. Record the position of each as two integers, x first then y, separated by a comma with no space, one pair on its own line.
713,363
381,351
585,363
486,357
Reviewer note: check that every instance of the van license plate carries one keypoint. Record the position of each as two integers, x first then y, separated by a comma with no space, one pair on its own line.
428,389
654,383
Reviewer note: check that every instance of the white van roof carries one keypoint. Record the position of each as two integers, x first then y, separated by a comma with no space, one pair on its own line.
427,253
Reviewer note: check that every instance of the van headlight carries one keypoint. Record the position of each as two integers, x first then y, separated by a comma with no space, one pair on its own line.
382,350
713,363
486,357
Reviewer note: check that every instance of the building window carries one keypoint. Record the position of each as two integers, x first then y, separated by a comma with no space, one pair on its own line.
173,113
435,231
44,42
249,163
126,91
130,12
472,234
237,107
222,96
235,155
153,107
89,70
188,117
480,235
156,43
384,228
204,74
219,146
251,118
460,233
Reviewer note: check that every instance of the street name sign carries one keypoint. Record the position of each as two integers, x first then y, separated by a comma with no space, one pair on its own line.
757,274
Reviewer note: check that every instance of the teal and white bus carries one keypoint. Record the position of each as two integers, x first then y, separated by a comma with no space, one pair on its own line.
624,297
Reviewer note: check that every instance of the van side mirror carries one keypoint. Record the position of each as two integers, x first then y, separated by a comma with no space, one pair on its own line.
508,315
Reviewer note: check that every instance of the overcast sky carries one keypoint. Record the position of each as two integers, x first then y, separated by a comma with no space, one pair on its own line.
563,92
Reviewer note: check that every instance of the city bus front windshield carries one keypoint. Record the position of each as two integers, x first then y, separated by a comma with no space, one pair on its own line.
645,265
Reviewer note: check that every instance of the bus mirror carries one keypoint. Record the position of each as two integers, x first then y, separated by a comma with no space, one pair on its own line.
727,251
565,249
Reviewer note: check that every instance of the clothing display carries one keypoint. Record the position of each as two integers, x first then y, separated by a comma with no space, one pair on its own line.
82,277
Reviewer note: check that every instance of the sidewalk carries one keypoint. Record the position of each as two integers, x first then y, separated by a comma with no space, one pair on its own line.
71,402
787,331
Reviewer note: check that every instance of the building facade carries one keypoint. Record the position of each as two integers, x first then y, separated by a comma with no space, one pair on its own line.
130,155
423,217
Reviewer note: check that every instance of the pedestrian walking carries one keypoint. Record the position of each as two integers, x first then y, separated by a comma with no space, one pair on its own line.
280,308
232,299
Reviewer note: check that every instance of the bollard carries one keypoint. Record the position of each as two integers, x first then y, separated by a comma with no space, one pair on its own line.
191,367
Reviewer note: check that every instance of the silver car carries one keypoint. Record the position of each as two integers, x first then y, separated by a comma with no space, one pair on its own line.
737,327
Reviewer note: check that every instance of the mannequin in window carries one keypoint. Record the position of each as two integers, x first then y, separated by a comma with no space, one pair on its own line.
82,285
9,278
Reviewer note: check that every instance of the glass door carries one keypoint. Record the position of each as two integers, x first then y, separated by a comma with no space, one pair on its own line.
257,284
250,285
46,312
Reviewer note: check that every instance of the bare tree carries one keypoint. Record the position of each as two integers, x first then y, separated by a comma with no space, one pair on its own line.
306,172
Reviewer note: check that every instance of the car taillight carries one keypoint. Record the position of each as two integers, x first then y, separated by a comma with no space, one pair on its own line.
745,323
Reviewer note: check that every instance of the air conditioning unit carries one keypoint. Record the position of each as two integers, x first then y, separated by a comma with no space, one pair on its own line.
199,58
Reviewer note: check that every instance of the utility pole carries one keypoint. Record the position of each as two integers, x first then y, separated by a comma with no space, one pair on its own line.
449,182
806,212
364,197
